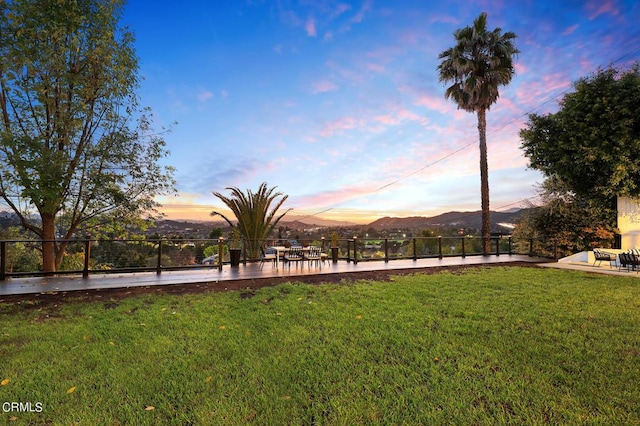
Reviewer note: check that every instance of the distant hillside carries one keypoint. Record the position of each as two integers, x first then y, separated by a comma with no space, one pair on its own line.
290,220
201,229
312,220
8,219
457,219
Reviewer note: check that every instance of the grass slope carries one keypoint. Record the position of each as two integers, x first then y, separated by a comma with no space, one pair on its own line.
498,346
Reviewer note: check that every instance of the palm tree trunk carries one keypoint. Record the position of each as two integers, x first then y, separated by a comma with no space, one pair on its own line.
484,182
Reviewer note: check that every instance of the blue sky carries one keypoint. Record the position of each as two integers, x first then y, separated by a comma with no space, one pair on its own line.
338,103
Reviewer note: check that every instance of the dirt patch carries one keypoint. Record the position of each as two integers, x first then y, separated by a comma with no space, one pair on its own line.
246,288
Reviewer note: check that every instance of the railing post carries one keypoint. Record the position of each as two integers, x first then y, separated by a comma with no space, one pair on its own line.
87,255
355,250
386,250
498,246
220,241
464,254
415,253
510,247
3,260
530,247
439,247
159,263
244,251
348,251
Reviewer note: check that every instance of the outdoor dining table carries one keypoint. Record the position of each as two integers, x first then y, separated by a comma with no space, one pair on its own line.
281,250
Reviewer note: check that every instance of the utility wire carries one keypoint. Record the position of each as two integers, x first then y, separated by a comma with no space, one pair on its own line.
451,154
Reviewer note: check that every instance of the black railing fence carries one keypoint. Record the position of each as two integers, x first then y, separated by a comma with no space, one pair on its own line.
86,256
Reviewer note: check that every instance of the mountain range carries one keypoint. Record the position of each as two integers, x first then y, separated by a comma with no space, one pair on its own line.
450,219
472,220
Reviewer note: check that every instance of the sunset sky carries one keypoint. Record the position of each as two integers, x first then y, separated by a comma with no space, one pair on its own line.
338,103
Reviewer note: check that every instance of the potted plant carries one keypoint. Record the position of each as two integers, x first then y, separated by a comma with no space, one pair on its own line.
334,247
234,247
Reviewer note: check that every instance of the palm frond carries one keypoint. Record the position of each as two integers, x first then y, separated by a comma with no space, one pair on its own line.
479,63
255,213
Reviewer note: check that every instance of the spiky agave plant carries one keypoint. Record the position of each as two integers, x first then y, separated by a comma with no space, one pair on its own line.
255,213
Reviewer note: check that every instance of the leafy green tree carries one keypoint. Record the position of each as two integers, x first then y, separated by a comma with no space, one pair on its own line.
213,249
479,63
563,224
74,144
591,146
256,214
426,244
215,233
22,253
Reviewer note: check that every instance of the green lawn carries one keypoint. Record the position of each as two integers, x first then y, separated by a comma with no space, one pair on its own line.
487,346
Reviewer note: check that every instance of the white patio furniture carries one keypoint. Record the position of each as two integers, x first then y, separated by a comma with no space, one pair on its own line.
313,254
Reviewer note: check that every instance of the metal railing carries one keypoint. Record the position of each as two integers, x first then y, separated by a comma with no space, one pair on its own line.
20,258
386,249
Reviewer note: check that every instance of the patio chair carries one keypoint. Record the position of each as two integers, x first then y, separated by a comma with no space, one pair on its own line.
313,254
268,255
604,256
630,261
634,260
294,254
624,261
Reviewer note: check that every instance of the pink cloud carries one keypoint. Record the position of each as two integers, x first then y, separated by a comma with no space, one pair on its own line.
397,118
289,17
345,73
504,104
377,59
446,19
310,27
386,54
410,36
556,81
407,115
532,93
323,87
366,7
375,68
439,104
505,154
520,68
335,197
389,120
338,126
600,7
570,30
340,9
205,95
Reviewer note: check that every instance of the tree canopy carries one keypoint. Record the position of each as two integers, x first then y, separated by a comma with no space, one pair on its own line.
564,224
591,146
480,62
74,144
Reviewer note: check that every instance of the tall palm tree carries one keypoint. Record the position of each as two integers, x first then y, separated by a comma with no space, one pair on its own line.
476,66
255,213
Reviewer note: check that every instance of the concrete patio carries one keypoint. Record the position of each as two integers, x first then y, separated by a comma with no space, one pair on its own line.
585,261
